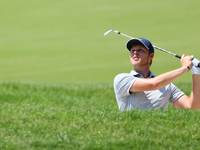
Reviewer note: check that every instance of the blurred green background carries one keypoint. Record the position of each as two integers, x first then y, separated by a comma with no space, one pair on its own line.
62,40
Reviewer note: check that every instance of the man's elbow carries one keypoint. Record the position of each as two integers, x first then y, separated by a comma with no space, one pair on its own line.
187,105
195,106
154,85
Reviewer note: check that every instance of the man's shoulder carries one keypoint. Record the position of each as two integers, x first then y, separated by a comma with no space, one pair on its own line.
124,79
121,76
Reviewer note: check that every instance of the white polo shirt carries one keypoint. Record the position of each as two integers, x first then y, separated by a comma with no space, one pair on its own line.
156,99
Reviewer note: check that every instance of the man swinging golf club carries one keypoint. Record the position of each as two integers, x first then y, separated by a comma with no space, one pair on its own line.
141,89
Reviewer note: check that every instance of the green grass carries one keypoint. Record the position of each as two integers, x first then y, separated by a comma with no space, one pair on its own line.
57,71
62,41
86,116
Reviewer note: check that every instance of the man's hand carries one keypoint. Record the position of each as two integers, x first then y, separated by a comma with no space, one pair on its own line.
186,61
195,70
195,62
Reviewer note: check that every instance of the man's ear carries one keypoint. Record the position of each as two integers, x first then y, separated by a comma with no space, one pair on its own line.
151,55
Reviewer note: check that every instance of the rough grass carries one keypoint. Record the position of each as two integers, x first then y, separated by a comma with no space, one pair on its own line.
85,116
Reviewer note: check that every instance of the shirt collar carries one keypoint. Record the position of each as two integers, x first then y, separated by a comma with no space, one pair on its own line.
136,74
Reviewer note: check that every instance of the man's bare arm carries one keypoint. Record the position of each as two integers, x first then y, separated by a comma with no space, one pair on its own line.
162,80
192,102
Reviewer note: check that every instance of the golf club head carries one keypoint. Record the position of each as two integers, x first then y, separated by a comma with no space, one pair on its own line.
108,32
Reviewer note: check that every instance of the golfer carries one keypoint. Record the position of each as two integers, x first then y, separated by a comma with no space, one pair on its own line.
142,89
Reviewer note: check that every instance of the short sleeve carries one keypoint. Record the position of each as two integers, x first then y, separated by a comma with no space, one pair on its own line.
122,84
175,93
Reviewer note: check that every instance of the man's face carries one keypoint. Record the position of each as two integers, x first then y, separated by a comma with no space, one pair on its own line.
140,56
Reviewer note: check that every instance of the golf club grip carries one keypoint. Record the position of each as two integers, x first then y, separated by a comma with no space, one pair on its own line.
178,56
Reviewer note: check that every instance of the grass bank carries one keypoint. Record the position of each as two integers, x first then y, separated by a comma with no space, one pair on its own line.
85,116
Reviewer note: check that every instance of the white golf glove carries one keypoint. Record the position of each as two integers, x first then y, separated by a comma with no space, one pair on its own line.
194,69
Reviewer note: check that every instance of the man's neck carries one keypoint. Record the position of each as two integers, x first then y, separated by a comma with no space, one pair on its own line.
144,71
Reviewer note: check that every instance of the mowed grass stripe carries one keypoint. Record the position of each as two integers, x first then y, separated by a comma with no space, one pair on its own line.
62,41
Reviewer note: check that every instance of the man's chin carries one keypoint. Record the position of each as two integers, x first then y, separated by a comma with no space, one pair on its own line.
135,63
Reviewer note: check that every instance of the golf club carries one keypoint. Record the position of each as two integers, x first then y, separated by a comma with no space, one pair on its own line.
177,56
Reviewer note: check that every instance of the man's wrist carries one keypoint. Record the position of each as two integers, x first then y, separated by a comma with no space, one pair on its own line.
185,69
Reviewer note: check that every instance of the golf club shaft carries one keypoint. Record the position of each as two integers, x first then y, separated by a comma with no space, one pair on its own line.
177,56
152,45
